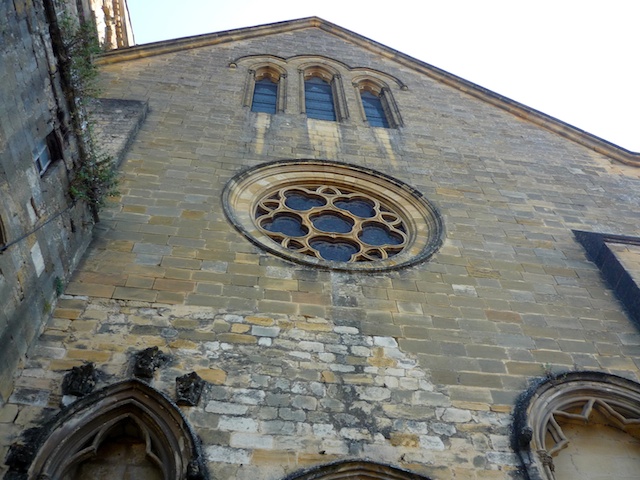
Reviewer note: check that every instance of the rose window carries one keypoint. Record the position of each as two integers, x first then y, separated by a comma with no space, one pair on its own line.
333,215
331,223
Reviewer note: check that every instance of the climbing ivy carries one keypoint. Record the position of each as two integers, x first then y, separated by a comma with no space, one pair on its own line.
81,45
95,177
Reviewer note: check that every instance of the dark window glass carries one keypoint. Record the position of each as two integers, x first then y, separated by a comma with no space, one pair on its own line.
286,224
303,201
318,99
265,96
360,207
376,234
3,238
373,109
329,222
334,250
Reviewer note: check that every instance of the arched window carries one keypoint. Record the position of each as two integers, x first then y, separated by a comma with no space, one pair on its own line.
321,93
377,105
265,90
265,96
373,109
579,425
318,99
128,428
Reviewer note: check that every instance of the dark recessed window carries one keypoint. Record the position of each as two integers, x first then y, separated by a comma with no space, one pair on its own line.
318,98
46,152
265,96
42,157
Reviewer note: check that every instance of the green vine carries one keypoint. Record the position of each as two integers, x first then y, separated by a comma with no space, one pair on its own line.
95,177
81,44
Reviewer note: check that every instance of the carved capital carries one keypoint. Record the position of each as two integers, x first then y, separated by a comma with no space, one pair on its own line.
546,459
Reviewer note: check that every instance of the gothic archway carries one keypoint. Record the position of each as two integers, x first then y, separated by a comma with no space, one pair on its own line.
130,409
547,415
354,470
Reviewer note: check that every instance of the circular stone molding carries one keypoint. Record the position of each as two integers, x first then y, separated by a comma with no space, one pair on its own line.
333,215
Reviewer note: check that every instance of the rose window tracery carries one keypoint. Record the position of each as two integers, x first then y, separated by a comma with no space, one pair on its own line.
331,223
332,215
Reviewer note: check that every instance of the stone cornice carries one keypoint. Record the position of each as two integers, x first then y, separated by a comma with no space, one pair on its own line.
536,117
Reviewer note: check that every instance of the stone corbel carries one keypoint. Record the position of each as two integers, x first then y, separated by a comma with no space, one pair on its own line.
189,389
147,361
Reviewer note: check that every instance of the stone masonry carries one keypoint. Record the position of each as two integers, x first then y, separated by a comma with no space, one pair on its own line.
43,233
417,368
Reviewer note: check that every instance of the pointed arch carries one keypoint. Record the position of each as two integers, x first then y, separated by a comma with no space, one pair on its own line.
337,64
268,71
265,89
76,434
321,92
376,102
355,469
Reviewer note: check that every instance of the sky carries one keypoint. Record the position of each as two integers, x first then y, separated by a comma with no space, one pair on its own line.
577,61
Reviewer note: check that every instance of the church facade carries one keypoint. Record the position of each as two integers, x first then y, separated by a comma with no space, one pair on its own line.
331,260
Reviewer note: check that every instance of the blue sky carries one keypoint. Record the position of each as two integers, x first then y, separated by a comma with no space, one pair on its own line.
574,60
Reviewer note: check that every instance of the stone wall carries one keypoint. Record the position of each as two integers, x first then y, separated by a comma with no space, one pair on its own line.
45,233
418,368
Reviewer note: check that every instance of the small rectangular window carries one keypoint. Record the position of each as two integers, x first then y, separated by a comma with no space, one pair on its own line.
42,157
46,152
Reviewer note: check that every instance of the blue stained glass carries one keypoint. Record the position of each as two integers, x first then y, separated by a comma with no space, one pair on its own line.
359,207
328,222
374,110
335,251
301,201
287,225
265,96
377,235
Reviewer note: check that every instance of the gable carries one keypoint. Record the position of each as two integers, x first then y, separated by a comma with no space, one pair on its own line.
315,28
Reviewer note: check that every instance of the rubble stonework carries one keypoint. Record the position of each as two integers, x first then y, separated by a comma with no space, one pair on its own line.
296,388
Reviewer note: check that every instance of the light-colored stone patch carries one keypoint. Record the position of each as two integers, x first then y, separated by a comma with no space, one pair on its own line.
302,392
